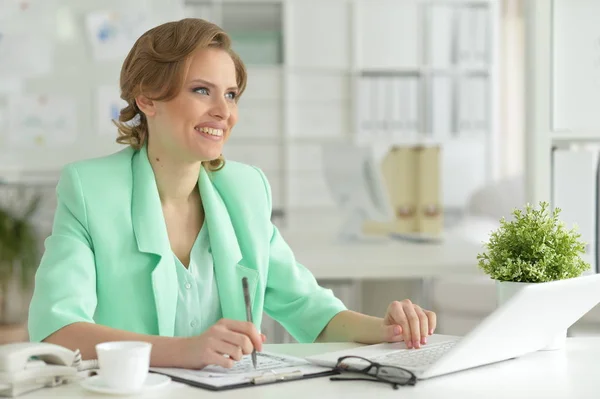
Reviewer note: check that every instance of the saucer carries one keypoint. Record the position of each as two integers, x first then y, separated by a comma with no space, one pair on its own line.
153,381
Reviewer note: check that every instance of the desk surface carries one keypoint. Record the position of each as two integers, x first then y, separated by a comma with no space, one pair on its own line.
313,236
568,373
381,259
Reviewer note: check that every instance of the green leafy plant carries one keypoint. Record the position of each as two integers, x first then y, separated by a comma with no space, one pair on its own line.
535,247
19,244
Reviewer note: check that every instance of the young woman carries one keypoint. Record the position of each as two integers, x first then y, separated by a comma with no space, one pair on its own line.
151,243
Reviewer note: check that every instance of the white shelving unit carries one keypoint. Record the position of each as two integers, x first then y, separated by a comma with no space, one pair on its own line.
563,77
563,87
307,62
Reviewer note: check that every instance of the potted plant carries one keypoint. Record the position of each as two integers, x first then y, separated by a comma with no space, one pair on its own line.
20,251
534,247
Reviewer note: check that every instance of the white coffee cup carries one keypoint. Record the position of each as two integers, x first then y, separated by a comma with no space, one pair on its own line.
124,365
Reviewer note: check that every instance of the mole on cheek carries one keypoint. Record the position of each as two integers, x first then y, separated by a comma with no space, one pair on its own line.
157,160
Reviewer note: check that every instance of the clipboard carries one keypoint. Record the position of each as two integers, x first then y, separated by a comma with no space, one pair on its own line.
299,369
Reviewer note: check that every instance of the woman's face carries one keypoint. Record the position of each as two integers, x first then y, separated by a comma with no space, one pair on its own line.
194,125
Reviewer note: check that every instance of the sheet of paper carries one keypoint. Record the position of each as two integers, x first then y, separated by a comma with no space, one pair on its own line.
268,364
113,33
42,120
109,105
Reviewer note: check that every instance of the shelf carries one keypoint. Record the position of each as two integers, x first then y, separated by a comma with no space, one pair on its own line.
562,138
459,2
451,70
412,71
457,71
318,70
414,138
334,102
317,140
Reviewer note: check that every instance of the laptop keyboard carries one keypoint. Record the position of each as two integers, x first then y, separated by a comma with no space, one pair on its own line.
416,358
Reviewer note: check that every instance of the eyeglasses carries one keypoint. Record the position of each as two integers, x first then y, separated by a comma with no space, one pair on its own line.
396,376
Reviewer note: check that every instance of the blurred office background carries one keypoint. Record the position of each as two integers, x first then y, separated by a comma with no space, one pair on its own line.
421,120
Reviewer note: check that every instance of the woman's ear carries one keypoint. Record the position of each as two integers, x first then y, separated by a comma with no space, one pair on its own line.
145,105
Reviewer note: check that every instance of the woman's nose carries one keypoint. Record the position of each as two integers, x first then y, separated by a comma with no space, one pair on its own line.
220,109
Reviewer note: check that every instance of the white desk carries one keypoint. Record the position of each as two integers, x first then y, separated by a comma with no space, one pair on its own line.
386,259
312,235
569,373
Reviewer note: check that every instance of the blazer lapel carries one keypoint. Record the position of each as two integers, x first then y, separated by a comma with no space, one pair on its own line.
225,249
151,236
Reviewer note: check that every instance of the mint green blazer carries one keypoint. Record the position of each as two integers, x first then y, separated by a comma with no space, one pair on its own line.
109,261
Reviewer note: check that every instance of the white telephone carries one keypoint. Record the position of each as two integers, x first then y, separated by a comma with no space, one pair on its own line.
51,365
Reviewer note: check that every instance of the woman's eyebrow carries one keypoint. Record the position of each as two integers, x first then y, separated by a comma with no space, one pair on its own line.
209,84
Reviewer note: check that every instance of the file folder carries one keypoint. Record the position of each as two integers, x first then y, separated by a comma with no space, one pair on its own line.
440,40
399,172
429,214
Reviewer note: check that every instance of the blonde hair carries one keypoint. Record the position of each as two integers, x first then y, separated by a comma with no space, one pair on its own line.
156,67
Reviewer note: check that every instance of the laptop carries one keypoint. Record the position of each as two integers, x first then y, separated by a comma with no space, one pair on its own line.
529,321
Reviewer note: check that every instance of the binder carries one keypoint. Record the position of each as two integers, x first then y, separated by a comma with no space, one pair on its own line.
465,106
441,37
441,115
478,89
399,172
397,108
429,215
413,106
366,115
381,99
473,106
481,35
575,188
465,32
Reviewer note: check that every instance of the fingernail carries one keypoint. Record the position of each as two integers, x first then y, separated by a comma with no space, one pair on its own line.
424,340
397,330
431,331
409,344
416,343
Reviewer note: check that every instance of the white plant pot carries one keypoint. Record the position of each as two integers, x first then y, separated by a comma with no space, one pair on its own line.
506,289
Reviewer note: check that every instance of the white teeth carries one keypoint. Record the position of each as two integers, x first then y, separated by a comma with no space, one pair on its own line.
211,131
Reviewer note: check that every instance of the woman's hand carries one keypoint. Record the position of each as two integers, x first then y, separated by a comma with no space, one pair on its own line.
222,344
408,322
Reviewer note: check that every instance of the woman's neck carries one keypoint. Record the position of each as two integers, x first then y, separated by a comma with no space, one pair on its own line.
176,181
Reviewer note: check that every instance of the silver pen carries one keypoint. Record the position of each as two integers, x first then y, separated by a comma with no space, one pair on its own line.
248,312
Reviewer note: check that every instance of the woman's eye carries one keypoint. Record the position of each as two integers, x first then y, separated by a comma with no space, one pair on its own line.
231,95
201,90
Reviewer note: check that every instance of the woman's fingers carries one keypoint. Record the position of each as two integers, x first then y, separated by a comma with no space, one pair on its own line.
423,324
432,319
239,340
397,314
246,328
225,348
413,322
